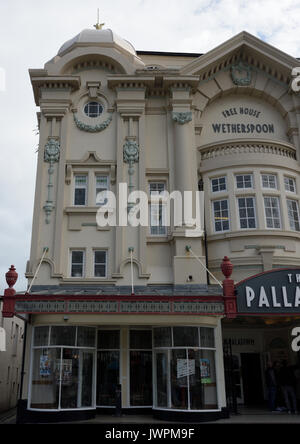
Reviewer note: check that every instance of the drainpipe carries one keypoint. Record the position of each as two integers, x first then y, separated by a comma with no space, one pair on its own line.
200,188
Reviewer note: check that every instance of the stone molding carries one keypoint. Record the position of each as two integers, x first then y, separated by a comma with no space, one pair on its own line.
233,148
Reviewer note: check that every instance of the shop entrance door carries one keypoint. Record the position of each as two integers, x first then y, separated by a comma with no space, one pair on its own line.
252,378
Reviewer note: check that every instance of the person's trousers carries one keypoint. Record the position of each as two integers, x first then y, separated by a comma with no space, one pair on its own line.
289,394
272,398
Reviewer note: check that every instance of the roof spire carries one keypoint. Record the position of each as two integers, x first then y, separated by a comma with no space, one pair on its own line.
98,25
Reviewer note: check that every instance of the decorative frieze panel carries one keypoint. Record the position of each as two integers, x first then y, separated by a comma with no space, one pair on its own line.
119,306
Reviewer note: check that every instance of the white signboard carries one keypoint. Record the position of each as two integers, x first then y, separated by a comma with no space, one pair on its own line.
185,367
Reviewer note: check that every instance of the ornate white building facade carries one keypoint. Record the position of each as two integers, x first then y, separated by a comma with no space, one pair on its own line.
136,306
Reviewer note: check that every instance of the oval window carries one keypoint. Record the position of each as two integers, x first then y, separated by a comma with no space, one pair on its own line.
93,109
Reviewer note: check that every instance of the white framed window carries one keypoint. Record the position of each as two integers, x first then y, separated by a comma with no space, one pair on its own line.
272,212
293,214
102,184
100,263
290,184
157,210
77,263
80,189
244,181
221,215
247,212
93,109
269,181
218,184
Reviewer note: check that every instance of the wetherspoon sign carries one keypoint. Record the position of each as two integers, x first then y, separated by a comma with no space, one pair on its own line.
273,292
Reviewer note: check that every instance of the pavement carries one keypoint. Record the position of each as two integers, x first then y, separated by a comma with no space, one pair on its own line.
244,416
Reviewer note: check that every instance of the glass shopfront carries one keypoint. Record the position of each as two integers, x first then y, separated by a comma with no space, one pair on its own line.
108,367
140,364
62,375
77,367
185,373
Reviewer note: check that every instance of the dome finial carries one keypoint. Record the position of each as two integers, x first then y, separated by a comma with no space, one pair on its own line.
98,25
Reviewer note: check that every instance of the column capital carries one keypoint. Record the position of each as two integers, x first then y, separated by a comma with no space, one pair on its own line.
182,117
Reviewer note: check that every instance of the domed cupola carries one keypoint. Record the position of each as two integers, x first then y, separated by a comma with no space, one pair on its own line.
97,37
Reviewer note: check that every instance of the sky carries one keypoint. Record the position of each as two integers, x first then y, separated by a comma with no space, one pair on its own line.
32,31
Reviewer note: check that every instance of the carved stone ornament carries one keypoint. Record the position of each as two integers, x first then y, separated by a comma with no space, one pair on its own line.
51,156
130,151
182,117
130,156
52,151
92,128
241,74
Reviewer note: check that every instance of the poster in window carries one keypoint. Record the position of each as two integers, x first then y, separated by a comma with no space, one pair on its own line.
45,365
185,367
205,371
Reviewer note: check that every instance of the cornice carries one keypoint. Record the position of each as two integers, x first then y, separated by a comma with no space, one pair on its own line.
40,79
240,41
159,80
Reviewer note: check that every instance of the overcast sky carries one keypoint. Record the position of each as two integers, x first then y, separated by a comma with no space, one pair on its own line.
32,31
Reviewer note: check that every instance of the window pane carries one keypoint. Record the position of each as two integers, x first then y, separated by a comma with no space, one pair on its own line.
162,379
93,109
45,381
185,336
100,270
77,257
77,271
272,212
293,214
41,335
195,367
140,339
162,337
246,212
61,335
207,337
290,184
269,181
77,263
140,378
109,339
79,198
101,187
156,188
86,378
68,368
179,383
108,363
218,184
86,336
208,379
80,181
221,215
100,257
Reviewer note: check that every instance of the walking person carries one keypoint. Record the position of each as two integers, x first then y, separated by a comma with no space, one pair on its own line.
272,384
288,384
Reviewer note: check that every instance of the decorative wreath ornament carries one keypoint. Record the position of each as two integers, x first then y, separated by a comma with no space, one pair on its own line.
92,128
